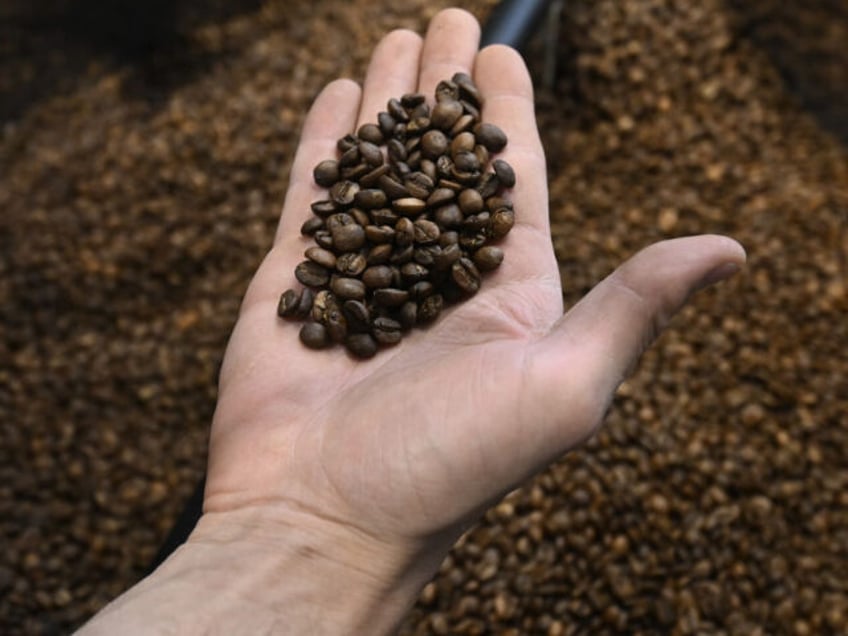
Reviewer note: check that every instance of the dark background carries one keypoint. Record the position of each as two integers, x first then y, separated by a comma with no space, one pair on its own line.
144,151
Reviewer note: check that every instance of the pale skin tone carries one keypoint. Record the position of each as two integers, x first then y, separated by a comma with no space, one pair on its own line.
336,486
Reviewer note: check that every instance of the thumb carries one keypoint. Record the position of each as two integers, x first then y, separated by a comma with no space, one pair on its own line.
595,345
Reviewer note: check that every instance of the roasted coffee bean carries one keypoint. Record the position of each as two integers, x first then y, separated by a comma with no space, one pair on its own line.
411,144
311,274
390,297
348,288
378,234
488,185
428,167
425,232
490,136
324,239
370,198
377,276
448,238
426,255
397,110
379,254
476,222
402,170
289,304
402,255
387,124
469,108
463,142
409,206
408,315
467,89
501,223
370,133
433,144
482,155
384,216
348,237
372,178
451,185
488,257
393,188
440,196
447,90
338,220
412,272
351,264
421,111
357,315
324,208
445,114
419,185
350,157
386,331
323,300
465,162
361,345
355,173
495,203
335,322
505,173
444,167
404,232
396,151
314,335
371,153
421,289
450,254
311,225
414,160
343,192
411,100
465,122
470,201
360,217
326,173
473,241
430,308
304,307
325,258
417,125
448,216
346,143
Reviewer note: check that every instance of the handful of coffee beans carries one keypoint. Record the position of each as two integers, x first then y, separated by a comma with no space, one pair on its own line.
403,232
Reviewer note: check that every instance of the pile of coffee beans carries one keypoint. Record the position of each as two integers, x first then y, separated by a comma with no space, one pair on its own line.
403,232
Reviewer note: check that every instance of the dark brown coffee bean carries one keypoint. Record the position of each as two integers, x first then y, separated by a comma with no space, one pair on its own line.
394,189
425,232
378,234
370,153
411,100
445,114
357,315
324,239
384,216
501,223
440,196
326,173
397,110
390,297
488,185
490,136
370,133
470,201
488,258
465,162
323,300
430,308
408,315
338,220
348,288
414,160
351,264
386,331
425,255
289,303
419,185
370,199
468,89
495,203
346,143
361,345
379,254
404,232
412,272
448,238
465,122
433,144
482,155
447,90
466,275
350,157
472,242
448,184
377,277
505,173
311,274
402,255
421,289
470,109
448,216
325,258
417,125
355,173
314,335
476,222
304,307
348,237
372,178
463,142
412,144
428,167
324,208
387,124
311,225
360,217
409,206
335,322
421,111
343,192
450,255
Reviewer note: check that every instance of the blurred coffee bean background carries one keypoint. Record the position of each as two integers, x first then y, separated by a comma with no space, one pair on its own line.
144,154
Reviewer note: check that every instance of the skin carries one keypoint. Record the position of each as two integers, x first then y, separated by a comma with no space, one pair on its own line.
336,486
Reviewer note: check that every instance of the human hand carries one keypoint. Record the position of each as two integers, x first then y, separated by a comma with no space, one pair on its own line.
360,475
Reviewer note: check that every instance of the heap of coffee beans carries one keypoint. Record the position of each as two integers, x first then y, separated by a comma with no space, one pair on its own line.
405,231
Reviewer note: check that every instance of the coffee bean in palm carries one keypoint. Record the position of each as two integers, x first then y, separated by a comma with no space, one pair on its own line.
324,208
304,307
343,192
445,114
468,89
326,173
386,123
430,308
490,136
347,238
446,90
323,238
501,223
413,272
370,133
409,206
470,201
390,297
377,234
426,254
323,257
384,216
370,153
448,216
421,289
356,172
448,238
311,274
465,161
449,255
357,315
433,144
488,257
419,185
444,168
482,155
464,123
335,322
314,335
393,188
466,275
396,151
351,264
476,222
386,331
311,225
472,241
408,314
361,345
470,108
379,254
402,255
337,220
425,232
377,276
397,110
440,196
348,288
350,157
370,198
488,185
323,300
428,167
464,142
404,232
360,217
289,304
346,143
504,172
372,178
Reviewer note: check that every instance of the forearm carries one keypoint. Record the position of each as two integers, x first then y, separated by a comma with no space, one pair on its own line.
245,576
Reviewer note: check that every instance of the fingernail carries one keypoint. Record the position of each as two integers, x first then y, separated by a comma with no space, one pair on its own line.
720,273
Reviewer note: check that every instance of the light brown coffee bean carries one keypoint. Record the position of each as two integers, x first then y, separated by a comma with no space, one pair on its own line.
348,288
445,114
488,257
470,201
501,223
434,143
425,232
409,206
390,297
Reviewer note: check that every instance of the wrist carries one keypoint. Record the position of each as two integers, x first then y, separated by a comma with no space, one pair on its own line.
256,571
